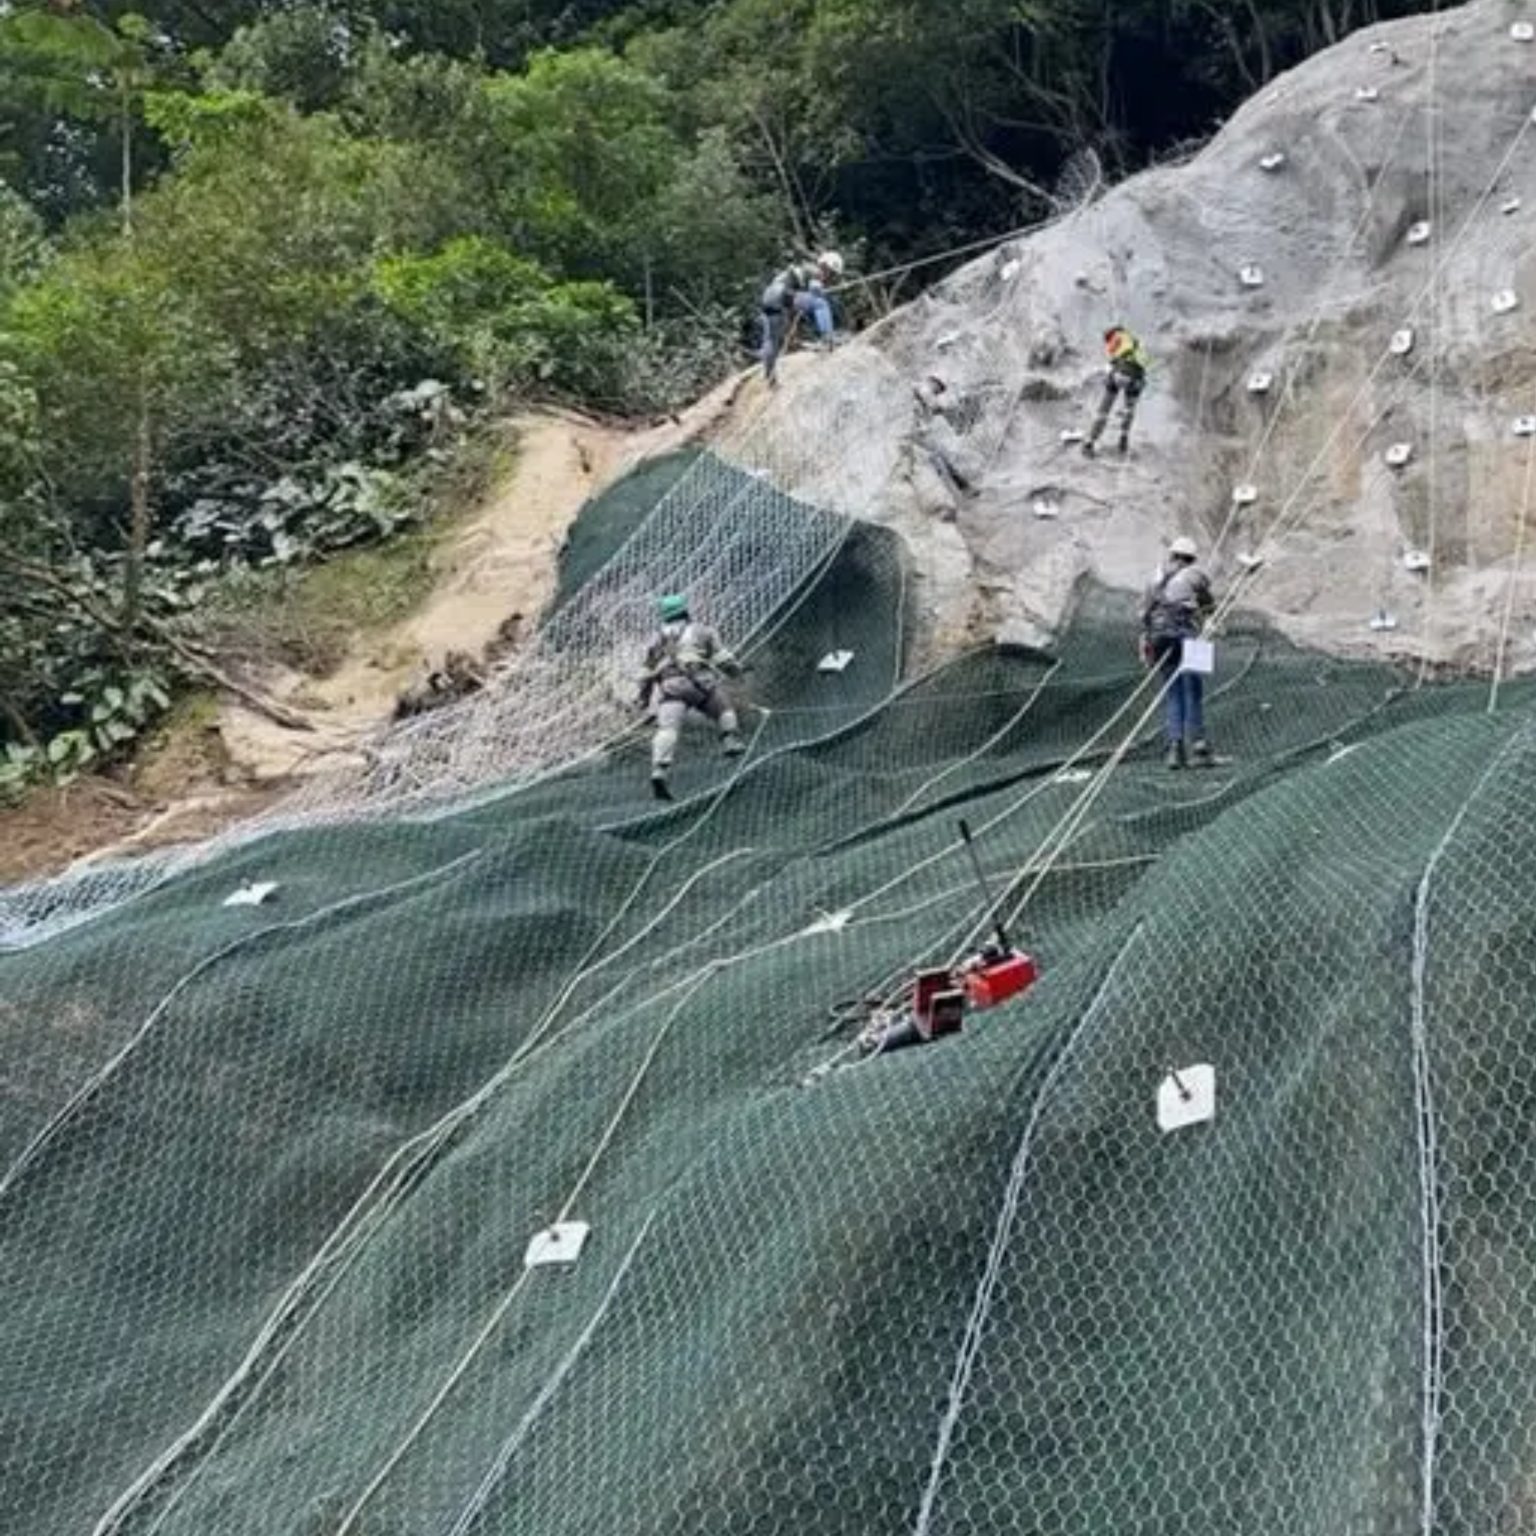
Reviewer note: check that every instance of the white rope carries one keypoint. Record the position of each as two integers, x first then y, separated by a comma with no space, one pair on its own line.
1433,328
1002,1235
513,1443
493,1321
92,1086
1432,1389
1000,734
1514,576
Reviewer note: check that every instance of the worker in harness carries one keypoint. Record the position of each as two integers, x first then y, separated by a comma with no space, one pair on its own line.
683,667
799,289
1173,610
1125,381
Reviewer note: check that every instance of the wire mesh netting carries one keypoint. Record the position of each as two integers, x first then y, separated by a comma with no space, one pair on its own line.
270,1173
742,527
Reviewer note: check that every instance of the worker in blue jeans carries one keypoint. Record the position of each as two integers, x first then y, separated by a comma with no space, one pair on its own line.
1173,611
797,290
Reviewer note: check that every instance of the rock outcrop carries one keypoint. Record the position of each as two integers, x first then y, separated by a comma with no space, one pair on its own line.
1387,186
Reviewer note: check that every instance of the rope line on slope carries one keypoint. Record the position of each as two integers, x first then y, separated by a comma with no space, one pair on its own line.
1434,328
493,1321
1515,574
71,1109
284,1327
1431,1259
1002,1235
1289,512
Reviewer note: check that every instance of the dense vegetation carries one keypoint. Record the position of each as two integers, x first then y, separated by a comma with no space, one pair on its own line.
263,264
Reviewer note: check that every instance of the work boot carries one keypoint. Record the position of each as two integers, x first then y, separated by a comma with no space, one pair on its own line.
1175,757
1124,446
659,786
1201,756
732,745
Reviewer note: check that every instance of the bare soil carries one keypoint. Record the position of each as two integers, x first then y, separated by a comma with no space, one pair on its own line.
223,763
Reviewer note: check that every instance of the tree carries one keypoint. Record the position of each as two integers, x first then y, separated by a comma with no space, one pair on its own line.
582,148
305,55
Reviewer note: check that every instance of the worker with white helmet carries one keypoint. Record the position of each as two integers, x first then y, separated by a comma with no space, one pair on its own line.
800,289
1173,610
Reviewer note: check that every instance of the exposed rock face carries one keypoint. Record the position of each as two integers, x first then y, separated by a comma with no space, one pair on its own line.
1344,267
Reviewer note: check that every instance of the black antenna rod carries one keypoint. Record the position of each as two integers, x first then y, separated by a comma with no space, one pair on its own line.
981,880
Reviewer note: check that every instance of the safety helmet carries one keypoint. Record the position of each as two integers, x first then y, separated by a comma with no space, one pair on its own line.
830,262
673,606
1184,547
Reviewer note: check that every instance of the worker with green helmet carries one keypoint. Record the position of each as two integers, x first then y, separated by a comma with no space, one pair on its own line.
1125,380
683,670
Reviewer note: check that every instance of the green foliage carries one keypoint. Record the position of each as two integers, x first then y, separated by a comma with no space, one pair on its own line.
103,329
260,264
305,617
583,150
303,54
24,245
110,710
507,320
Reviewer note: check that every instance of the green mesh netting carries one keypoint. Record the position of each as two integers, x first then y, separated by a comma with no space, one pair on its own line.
270,1172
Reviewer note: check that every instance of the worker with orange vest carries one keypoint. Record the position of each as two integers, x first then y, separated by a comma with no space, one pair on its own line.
1125,380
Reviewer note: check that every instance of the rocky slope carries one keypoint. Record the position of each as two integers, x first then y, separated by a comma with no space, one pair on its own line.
1405,201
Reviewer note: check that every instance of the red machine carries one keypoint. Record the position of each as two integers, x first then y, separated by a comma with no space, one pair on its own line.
942,998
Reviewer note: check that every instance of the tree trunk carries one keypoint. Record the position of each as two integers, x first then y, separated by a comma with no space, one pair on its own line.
125,204
20,727
786,181
138,528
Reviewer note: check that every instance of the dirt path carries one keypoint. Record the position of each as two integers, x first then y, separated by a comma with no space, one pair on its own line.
500,564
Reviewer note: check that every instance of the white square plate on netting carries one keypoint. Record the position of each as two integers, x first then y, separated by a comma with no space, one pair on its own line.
1417,560
556,1245
1244,495
1522,31
1510,205
1251,276
1418,234
1047,509
1010,271
1402,343
1260,383
1505,300
252,895
1272,162
1525,426
1367,93
1250,562
1197,656
1073,435
1186,1097
1398,454
834,661
1381,620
